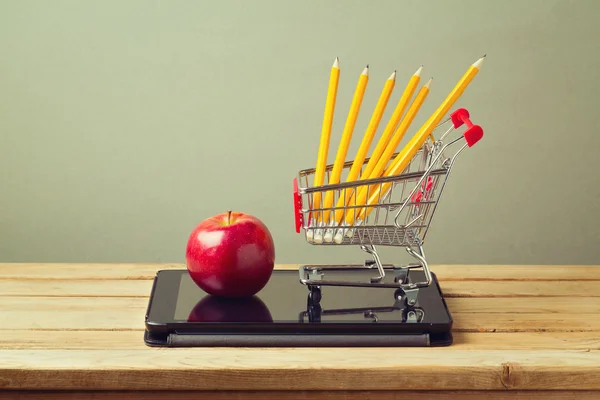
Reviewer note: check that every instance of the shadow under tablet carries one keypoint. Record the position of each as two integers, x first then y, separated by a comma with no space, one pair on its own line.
282,314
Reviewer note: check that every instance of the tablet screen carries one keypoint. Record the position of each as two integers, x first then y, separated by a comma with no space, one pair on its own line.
284,300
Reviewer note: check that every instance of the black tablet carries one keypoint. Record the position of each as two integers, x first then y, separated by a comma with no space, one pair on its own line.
282,314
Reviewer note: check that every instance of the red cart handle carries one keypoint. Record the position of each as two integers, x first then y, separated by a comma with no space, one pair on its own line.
474,133
297,207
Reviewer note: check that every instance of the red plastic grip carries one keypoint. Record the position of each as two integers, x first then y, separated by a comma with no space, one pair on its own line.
429,184
297,207
425,187
459,117
417,197
473,133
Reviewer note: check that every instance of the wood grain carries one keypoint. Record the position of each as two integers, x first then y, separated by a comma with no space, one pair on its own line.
133,340
117,313
476,305
295,369
302,395
141,288
126,271
529,305
466,322
525,341
99,340
80,326
463,322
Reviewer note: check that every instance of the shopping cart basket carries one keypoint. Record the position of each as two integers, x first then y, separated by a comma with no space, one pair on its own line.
400,216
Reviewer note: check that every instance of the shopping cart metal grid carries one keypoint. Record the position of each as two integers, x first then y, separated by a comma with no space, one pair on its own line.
398,213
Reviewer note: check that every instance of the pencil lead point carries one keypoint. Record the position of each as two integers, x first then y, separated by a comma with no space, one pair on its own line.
418,73
392,76
336,63
478,63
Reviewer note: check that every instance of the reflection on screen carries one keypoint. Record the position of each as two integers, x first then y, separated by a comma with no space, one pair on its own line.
284,299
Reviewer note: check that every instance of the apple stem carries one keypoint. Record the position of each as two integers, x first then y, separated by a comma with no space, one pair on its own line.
229,217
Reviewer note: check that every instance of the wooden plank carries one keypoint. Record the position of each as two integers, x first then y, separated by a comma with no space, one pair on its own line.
517,272
75,288
520,289
529,305
477,305
299,369
463,322
45,347
74,340
55,305
133,340
146,271
141,288
60,313
303,395
525,341
468,322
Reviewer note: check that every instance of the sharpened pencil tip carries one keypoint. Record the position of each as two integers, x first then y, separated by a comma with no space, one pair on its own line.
366,71
392,76
336,63
479,63
428,84
418,73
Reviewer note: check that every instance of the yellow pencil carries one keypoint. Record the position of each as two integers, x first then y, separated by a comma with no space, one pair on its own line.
326,130
340,158
392,123
361,154
417,141
379,168
383,140
411,148
376,190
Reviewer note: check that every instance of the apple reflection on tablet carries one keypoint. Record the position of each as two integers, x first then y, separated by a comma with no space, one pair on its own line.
220,309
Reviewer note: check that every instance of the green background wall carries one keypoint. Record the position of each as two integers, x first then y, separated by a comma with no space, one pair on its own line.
123,124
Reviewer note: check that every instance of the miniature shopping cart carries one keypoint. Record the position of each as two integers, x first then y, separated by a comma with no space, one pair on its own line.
400,216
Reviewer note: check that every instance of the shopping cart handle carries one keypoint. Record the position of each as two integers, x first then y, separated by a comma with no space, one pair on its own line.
474,133
297,207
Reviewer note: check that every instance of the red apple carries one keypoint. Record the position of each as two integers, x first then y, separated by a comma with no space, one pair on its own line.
230,255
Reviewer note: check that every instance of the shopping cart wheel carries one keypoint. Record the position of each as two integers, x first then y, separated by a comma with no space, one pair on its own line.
399,294
401,276
406,297
315,294
413,315
314,313
411,296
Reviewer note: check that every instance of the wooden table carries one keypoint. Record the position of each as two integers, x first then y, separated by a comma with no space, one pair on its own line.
532,331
